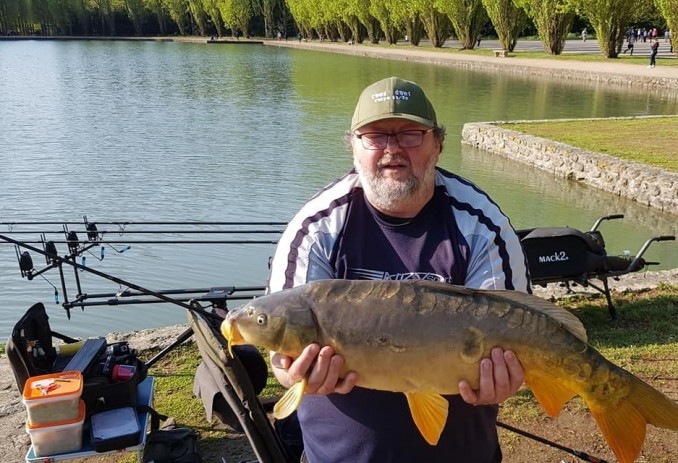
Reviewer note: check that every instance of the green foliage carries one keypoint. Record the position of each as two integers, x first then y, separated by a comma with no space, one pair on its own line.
236,15
508,19
553,20
467,18
610,19
436,24
669,10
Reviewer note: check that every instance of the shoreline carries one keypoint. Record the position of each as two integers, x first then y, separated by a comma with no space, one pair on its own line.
661,79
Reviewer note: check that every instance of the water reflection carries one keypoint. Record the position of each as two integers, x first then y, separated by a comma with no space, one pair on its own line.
164,131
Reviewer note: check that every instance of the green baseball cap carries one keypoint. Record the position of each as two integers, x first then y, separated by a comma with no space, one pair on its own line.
390,98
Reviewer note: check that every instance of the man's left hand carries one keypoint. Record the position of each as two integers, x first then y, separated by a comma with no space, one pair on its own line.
501,376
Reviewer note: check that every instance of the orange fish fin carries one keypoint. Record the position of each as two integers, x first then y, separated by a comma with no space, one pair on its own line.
429,412
551,394
623,427
623,422
290,401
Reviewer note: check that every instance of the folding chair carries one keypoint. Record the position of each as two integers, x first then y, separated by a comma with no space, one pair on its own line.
236,387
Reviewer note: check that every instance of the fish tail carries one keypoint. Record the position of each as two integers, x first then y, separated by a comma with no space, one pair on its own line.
623,424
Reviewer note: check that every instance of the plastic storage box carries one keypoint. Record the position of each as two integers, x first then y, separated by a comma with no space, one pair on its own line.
53,398
59,437
115,429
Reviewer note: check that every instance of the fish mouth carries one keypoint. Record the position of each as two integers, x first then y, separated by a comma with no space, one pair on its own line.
231,333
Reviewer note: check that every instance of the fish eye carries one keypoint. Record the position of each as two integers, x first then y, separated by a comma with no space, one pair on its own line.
262,319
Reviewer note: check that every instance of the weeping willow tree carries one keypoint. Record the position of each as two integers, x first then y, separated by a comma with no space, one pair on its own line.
467,18
553,20
508,20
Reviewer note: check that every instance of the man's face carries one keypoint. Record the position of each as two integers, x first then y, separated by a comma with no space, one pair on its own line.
394,176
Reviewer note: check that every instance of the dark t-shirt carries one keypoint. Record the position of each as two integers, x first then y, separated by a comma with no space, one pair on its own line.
376,426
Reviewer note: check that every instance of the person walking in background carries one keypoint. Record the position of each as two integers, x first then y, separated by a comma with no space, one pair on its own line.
630,38
654,48
583,34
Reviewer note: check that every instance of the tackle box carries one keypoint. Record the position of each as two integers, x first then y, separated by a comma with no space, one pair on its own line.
53,398
60,437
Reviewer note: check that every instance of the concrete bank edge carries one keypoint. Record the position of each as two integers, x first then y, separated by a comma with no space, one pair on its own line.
626,75
645,184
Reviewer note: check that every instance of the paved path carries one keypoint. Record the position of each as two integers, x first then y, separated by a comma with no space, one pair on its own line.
612,71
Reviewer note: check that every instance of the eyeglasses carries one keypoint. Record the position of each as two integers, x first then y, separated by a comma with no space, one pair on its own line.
379,141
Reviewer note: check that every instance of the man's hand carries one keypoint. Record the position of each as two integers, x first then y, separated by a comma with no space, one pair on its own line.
320,365
501,376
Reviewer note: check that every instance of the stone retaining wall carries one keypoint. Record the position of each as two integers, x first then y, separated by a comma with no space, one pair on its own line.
645,184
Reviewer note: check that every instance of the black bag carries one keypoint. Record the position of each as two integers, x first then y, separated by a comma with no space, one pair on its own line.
179,445
31,352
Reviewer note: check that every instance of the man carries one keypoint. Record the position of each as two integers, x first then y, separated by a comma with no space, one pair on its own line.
397,216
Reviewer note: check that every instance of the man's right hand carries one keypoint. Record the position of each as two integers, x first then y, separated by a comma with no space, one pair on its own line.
321,366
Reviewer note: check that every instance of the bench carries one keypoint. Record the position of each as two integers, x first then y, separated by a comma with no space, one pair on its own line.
502,53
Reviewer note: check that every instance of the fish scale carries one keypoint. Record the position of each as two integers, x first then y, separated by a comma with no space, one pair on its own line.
421,338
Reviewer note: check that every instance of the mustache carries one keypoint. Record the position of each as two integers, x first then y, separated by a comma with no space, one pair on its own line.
392,159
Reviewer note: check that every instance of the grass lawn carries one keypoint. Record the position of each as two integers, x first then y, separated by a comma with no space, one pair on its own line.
643,340
652,141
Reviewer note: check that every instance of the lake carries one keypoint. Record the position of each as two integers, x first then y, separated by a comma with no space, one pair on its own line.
146,131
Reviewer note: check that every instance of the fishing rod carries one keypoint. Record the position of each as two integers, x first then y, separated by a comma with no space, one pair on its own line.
59,261
192,306
149,222
215,295
577,453
139,232
164,241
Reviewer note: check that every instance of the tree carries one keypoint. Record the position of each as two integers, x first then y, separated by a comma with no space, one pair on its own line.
610,19
467,18
553,20
436,24
236,15
379,9
361,9
199,15
156,7
508,20
274,15
136,12
212,11
669,10
177,10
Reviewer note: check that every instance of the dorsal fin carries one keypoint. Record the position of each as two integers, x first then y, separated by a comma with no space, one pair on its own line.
569,321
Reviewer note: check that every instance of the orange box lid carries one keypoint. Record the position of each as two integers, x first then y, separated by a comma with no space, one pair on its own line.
53,386
79,419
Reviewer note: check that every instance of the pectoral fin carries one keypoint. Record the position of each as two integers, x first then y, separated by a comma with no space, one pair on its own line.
429,412
290,401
